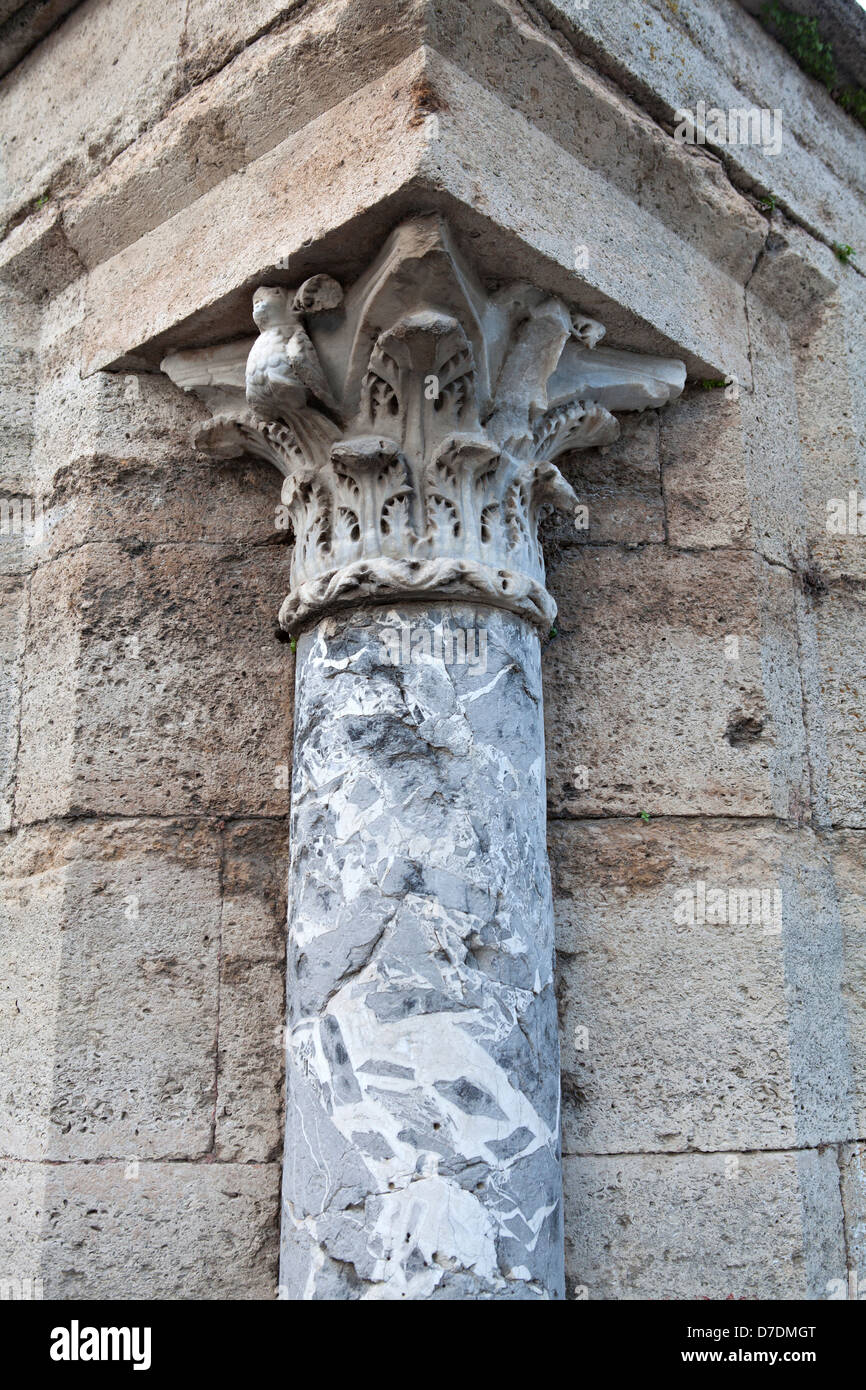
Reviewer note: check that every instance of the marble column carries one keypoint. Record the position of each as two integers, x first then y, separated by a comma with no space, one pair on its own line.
423,1059
415,419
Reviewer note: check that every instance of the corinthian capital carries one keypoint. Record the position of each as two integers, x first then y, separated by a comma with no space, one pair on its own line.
416,420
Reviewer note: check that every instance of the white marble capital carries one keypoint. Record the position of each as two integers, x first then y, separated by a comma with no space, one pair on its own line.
416,419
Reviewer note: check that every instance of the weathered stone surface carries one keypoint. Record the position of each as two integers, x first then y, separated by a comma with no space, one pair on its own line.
277,83
254,890
619,484
841,25
249,1110
110,938
214,32
852,293
746,1225
36,258
13,625
94,91
839,648
726,1034
774,473
185,499
706,497
161,1230
832,437
17,393
249,1117
114,461
795,273
711,50
846,849
832,429
514,52
534,193
31,944
254,220
422,1079
121,416
138,700
23,24
271,89
650,707
852,1164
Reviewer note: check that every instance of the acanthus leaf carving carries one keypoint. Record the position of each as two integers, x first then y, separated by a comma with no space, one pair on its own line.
426,474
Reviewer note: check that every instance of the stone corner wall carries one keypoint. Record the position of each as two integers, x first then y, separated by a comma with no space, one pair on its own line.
703,687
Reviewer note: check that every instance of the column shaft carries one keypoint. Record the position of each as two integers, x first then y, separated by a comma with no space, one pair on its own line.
422,1150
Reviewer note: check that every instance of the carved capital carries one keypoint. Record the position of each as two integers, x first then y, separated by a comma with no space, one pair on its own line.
415,422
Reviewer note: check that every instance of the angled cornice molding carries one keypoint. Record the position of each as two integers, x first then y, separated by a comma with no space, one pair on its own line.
416,421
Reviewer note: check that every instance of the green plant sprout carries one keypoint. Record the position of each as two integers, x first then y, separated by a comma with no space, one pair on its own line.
801,37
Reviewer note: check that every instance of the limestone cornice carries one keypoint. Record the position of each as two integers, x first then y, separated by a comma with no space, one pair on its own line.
416,421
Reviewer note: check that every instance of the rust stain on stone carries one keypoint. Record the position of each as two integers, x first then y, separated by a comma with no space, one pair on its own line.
425,100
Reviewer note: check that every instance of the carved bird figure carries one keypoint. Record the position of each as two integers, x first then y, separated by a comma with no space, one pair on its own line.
283,369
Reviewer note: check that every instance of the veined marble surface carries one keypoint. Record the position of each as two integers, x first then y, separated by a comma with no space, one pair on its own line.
422,1154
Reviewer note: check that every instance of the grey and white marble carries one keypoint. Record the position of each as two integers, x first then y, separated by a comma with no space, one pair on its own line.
422,1155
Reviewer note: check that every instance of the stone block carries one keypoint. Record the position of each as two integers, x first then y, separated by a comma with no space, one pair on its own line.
517,54
851,1281
749,1225
140,698
110,946
187,498
271,89
162,1230
367,158
832,417
123,415
671,686
249,1124
13,621
711,1035
620,486
833,624
774,469
17,394
846,849
94,91
706,497
671,57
